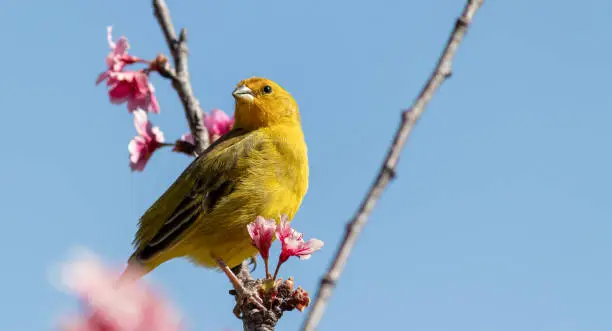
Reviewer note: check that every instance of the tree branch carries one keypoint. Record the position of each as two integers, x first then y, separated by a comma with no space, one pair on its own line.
387,170
254,317
180,78
260,304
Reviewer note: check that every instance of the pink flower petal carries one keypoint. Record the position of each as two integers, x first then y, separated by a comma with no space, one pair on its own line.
293,243
103,76
218,123
142,94
310,247
132,87
141,85
153,104
149,139
141,122
118,50
120,92
157,135
122,46
262,234
285,231
109,37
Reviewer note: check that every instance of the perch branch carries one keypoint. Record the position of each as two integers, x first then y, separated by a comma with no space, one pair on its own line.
254,316
180,75
387,171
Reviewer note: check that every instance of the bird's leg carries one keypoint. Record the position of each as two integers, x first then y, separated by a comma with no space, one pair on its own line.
241,292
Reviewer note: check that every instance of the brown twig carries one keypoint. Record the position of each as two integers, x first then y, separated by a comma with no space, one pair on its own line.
387,170
180,77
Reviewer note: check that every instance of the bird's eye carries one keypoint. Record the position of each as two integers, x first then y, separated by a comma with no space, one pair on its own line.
267,89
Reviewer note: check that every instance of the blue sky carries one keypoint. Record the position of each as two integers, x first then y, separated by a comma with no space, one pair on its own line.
500,215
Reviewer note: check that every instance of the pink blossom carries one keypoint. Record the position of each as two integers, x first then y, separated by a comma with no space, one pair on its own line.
284,230
149,139
262,234
293,243
110,306
118,56
132,87
218,123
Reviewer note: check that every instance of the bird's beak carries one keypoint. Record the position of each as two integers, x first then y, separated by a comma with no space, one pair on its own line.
243,92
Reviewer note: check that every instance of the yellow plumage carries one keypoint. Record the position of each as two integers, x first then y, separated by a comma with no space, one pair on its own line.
258,168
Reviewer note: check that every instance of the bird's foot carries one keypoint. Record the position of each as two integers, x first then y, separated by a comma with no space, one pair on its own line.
244,299
253,261
244,295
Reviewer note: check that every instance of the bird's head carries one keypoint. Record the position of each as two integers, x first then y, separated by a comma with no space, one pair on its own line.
261,102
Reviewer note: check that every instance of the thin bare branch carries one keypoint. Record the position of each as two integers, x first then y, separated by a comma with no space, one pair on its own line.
387,170
180,78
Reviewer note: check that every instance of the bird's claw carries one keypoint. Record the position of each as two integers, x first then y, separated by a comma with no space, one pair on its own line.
237,311
245,298
253,261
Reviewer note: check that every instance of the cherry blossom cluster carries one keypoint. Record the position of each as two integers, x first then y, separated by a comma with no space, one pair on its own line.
275,293
133,88
262,232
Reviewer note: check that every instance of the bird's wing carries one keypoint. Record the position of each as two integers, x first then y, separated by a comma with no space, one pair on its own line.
198,189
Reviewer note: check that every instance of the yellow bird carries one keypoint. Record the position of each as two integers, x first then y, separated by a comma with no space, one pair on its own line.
259,168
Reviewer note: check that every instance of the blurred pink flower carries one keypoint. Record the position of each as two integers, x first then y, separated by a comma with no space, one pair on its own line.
262,233
293,243
218,124
149,139
108,306
131,86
